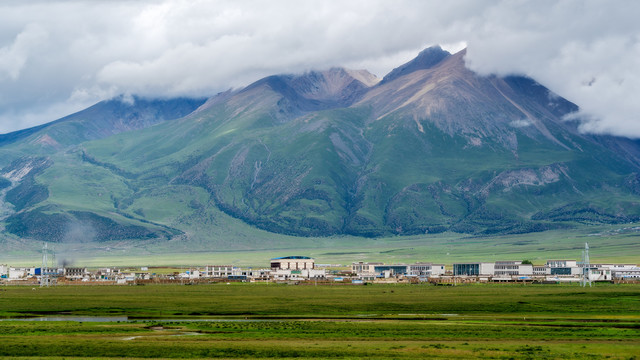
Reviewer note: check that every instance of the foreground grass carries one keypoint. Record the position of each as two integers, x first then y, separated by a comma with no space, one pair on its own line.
281,300
281,321
371,339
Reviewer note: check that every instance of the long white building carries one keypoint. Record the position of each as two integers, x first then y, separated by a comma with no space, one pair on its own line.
374,270
512,268
292,263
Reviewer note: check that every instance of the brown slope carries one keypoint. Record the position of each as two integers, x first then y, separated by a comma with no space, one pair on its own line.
289,96
458,101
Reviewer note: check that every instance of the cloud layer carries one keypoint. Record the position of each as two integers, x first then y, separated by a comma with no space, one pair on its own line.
58,57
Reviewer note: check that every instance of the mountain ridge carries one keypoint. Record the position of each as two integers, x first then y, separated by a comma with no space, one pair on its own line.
431,147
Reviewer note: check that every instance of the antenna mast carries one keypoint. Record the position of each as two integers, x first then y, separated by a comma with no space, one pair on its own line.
586,265
44,271
48,255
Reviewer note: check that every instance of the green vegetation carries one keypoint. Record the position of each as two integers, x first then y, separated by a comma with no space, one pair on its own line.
274,300
238,244
280,321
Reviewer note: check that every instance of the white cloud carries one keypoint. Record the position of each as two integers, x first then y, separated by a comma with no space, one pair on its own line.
585,51
13,57
520,123
57,56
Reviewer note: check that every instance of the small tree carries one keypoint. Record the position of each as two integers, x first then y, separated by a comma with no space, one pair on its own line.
527,262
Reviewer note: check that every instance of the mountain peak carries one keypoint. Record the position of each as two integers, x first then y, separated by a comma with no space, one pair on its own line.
315,90
333,83
426,59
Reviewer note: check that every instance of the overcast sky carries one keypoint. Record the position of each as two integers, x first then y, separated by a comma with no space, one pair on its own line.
57,57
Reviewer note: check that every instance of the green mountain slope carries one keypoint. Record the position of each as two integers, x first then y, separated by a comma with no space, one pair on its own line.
432,147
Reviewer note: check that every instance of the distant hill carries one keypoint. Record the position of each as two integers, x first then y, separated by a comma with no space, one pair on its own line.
101,120
431,147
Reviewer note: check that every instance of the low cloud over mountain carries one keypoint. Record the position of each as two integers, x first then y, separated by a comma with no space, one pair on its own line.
57,57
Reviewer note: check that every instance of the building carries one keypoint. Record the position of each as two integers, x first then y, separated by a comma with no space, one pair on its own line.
563,267
292,263
391,270
218,271
426,269
364,268
107,274
599,274
541,270
17,273
297,275
624,271
473,269
512,268
370,271
251,274
75,272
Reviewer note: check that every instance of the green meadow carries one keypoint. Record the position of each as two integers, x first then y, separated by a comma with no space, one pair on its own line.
608,243
329,321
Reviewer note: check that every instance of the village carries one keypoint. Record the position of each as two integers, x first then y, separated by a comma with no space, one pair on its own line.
302,269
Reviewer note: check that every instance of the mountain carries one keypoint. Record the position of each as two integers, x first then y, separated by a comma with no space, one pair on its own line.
101,120
431,147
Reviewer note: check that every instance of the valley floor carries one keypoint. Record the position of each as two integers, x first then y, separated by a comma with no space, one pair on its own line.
284,321
608,244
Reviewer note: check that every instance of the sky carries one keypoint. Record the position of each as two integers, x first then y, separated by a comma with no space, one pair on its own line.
58,57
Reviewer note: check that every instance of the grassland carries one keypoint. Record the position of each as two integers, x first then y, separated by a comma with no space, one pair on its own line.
608,243
282,321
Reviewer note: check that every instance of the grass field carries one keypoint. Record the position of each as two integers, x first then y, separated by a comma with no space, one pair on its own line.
608,243
284,321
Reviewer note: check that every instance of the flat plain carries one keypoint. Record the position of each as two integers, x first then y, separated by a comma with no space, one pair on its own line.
243,246
499,321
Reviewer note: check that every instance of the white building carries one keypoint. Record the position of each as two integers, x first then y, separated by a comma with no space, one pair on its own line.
292,263
75,272
624,271
372,270
563,267
473,269
17,273
107,274
364,268
194,274
292,275
426,269
218,271
599,274
255,274
541,270
512,268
